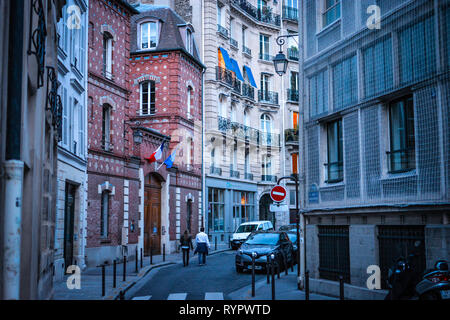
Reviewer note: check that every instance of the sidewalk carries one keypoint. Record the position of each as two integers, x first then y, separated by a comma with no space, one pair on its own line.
285,289
91,278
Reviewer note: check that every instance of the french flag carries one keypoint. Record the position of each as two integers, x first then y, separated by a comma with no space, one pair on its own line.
157,155
169,161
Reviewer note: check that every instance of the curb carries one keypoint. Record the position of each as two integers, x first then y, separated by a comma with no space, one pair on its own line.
141,276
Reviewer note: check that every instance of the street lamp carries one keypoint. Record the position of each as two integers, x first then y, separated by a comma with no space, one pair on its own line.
280,62
138,136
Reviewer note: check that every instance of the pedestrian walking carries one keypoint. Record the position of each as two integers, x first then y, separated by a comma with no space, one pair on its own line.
186,245
202,246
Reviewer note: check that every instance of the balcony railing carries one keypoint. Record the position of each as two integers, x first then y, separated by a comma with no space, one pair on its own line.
293,54
290,13
216,171
234,173
269,139
335,172
246,50
401,160
249,176
237,85
248,91
264,14
222,30
291,136
293,95
224,75
269,178
265,56
268,97
234,43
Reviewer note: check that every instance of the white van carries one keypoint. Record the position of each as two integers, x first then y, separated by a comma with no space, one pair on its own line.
245,229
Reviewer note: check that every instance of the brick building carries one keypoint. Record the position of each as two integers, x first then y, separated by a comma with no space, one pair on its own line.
166,104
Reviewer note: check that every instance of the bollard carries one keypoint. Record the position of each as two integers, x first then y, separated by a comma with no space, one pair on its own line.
292,265
136,262
164,252
142,261
215,244
151,255
103,280
272,264
229,242
253,273
307,285
268,269
124,268
114,273
121,295
341,287
278,270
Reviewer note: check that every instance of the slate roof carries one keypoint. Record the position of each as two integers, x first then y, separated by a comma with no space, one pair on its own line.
170,36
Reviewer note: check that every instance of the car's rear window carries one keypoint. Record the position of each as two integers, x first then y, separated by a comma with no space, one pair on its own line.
246,228
263,238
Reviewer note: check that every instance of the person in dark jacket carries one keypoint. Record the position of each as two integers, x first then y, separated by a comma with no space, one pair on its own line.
202,246
186,245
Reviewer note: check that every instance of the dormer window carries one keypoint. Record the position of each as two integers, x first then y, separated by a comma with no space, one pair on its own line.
149,35
189,41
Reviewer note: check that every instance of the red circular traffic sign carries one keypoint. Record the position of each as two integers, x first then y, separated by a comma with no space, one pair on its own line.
278,194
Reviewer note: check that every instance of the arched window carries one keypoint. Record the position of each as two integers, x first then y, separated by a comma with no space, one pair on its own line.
148,106
190,100
106,127
107,55
266,123
104,215
149,35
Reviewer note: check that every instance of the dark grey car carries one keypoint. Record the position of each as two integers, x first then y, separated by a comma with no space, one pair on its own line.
263,244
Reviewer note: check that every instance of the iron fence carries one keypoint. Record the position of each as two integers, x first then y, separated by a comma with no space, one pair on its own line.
334,253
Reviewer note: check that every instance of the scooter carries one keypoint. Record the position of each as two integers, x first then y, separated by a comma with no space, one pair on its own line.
435,284
402,279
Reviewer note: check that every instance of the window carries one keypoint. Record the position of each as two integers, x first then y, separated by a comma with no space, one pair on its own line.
294,161
402,156
295,120
66,108
80,130
104,218
243,208
216,209
82,50
264,47
213,157
107,55
190,153
265,85
417,51
266,123
91,34
149,35
190,102
332,12
246,119
294,80
247,161
106,125
267,167
335,153
292,197
233,114
345,83
244,36
222,108
378,77
189,43
219,15
148,106
318,94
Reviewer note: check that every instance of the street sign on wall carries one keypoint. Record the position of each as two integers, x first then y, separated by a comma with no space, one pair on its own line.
279,208
278,193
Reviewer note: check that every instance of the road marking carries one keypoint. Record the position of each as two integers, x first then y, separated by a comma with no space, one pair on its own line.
177,296
142,298
214,296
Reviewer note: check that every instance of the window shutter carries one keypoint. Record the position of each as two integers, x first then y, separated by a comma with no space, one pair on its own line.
65,117
81,130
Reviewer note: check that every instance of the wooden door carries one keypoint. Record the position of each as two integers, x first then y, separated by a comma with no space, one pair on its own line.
152,216
69,224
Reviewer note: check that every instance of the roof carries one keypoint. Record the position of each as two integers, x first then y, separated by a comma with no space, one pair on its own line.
171,23
128,6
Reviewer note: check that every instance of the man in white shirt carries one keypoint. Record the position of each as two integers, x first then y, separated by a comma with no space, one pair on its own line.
202,246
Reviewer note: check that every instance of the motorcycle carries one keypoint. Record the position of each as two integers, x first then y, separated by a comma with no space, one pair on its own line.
435,284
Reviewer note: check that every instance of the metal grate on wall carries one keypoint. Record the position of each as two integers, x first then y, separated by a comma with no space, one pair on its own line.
334,253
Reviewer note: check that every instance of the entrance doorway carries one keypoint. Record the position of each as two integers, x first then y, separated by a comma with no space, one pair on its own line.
264,209
152,215
69,216
189,216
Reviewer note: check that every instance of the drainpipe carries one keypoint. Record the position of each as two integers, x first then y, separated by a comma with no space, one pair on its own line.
203,116
14,167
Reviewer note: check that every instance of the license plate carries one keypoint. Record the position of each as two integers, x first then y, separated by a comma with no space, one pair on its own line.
445,294
256,267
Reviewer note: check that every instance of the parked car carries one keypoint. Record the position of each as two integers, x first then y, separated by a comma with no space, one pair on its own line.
287,227
265,243
245,229
292,234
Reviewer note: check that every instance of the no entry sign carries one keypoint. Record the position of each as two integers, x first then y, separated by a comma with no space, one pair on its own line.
278,194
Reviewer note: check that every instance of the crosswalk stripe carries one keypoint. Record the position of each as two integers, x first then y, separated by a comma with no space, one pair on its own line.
214,296
142,298
177,296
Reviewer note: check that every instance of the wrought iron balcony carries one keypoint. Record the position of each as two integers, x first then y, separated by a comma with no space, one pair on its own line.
246,50
401,160
54,102
293,53
335,172
248,91
293,95
234,43
224,124
216,171
234,173
249,176
224,75
291,136
290,13
222,31
264,14
269,139
237,86
269,178
268,96
265,56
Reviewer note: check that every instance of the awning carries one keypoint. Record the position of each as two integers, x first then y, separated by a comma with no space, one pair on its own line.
226,59
250,76
236,69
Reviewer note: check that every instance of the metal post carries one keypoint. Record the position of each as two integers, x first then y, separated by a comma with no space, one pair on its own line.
268,269
136,262
124,268
164,252
215,244
103,280
142,260
307,285
151,255
341,287
114,273
278,270
273,276
121,295
253,273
